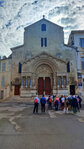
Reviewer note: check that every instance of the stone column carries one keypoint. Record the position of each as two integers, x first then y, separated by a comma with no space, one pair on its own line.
54,82
34,82
30,82
57,82
67,82
26,82
60,82
64,81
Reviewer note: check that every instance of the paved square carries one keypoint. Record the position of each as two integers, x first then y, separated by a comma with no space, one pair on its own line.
20,128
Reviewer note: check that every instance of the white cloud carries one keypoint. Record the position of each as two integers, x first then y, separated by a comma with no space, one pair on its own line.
16,14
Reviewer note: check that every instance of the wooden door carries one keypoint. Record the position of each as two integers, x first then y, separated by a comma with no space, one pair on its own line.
17,90
72,89
47,86
40,86
2,94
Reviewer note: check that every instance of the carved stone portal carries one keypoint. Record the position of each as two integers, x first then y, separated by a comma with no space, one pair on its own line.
44,69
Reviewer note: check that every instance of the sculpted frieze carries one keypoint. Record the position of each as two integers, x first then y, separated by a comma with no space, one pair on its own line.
44,69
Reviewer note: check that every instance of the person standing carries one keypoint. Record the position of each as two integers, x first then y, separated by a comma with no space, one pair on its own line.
66,103
56,103
62,102
75,104
80,100
49,101
36,103
43,102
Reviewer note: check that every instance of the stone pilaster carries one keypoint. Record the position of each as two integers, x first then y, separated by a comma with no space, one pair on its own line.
54,82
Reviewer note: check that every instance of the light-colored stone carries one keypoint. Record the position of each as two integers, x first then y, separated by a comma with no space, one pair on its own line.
37,61
74,40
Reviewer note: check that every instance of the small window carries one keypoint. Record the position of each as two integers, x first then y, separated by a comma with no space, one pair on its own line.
41,42
58,55
44,42
28,56
82,42
43,27
3,67
19,68
79,75
82,63
68,67
2,95
2,81
72,43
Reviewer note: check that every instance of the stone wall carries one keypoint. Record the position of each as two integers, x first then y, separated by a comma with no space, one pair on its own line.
33,35
6,88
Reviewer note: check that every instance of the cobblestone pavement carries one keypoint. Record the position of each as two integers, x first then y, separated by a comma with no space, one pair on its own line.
20,128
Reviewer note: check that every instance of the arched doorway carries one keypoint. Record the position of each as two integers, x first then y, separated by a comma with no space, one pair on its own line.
44,79
44,85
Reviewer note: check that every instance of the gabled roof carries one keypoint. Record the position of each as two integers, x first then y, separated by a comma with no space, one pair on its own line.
70,46
44,53
10,56
17,47
43,20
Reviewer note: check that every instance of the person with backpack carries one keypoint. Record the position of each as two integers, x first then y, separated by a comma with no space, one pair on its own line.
36,103
56,103
49,101
43,102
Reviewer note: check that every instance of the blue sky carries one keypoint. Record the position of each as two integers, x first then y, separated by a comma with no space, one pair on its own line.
16,14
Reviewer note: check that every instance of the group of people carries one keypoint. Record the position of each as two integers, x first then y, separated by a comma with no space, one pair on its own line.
71,102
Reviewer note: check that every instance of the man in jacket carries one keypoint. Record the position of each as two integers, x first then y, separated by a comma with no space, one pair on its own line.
43,102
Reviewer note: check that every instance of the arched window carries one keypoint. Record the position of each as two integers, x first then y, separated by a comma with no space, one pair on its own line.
43,27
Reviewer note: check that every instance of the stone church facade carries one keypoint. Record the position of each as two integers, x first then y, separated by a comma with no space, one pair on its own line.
44,64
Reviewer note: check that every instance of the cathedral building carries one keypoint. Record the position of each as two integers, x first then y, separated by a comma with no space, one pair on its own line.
43,64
